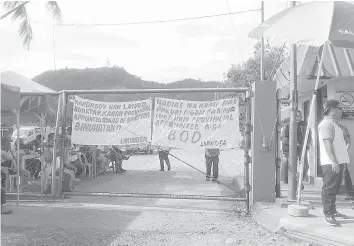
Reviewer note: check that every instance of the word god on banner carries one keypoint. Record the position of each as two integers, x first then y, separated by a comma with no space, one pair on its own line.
196,124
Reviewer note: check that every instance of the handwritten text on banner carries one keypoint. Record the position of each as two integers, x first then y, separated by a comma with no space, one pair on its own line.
107,123
196,124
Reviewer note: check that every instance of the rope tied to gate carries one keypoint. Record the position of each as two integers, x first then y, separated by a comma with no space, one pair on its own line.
214,180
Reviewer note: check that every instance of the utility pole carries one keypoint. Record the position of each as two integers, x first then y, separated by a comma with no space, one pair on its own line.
262,43
293,123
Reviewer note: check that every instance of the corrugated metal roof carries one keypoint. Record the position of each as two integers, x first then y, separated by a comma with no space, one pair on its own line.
338,62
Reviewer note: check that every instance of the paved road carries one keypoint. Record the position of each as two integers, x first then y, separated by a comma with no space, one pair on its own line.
143,176
110,225
112,221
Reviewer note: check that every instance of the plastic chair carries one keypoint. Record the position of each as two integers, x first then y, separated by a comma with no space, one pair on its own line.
11,179
88,166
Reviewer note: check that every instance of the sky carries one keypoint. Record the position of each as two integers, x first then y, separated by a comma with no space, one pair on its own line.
164,52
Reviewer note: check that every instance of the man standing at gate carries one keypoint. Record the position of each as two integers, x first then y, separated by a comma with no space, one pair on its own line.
212,159
117,158
348,185
334,156
163,156
284,138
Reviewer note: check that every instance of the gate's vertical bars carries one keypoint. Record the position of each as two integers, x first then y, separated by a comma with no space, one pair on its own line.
152,118
94,161
18,157
55,146
246,147
62,153
277,146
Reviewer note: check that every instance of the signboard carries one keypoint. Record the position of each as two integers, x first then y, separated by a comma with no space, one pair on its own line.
196,124
107,123
346,99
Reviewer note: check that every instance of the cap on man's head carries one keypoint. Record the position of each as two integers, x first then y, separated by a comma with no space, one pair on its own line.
330,104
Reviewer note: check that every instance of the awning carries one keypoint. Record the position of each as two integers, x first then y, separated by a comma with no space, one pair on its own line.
338,62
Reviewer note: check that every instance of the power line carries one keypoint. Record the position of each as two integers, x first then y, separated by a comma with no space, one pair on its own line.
233,25
160,21
230,14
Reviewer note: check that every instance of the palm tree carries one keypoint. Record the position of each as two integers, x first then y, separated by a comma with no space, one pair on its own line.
18,11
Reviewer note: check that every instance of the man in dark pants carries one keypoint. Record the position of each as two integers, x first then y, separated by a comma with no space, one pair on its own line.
333,155
348,185
284,137
212,159
163,156
117,157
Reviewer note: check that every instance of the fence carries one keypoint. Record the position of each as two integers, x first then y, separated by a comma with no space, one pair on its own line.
187,178
143,178
37,120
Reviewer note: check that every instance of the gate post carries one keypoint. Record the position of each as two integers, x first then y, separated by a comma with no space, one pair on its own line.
263,141
63,144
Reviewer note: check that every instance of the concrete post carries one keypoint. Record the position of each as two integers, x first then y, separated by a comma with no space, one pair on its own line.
263,142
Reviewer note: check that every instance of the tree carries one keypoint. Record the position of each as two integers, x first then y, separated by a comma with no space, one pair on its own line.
245,73
18,12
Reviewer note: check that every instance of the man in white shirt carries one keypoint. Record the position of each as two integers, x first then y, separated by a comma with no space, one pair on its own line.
334,156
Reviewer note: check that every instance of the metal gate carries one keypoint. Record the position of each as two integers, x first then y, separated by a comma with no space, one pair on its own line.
186,180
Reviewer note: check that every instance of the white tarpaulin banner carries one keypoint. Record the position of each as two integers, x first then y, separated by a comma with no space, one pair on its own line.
196,124
111,123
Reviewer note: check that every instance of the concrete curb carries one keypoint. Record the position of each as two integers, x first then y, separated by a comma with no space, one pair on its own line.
277,220
262,214
106,207
313,240
238,183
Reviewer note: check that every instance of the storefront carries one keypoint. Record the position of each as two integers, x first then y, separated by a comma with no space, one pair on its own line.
336,82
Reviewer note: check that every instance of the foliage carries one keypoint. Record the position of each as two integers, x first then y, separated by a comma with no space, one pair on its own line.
110,78
240,75
246,73
19,13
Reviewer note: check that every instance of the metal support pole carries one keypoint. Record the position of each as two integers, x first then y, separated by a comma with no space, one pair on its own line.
63,145
53,44
246,148
140,91
277,146
293,123
55,146
262,43
312,105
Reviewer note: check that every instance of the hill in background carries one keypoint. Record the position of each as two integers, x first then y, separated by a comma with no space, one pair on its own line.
111,78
